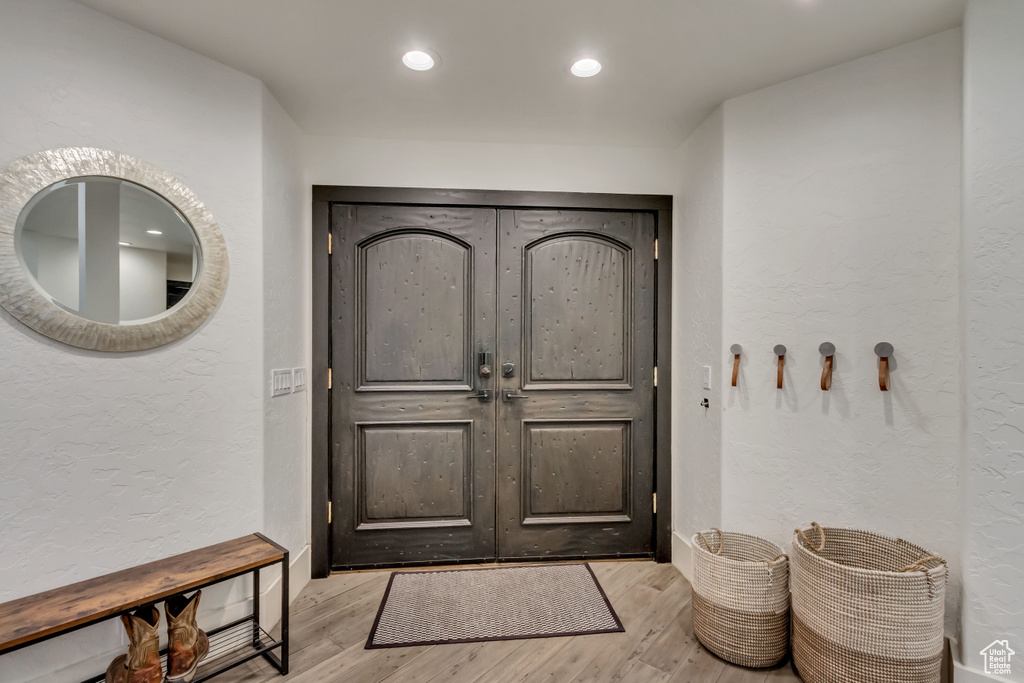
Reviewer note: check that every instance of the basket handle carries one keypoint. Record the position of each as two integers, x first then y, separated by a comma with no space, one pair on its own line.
775,559
821,533
721,541
918,566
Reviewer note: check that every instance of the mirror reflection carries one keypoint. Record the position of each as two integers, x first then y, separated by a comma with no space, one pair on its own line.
107,249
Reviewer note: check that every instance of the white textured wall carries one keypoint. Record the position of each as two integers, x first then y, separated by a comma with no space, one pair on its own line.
992,254
108,461
286,334
842,212
486,166
697,338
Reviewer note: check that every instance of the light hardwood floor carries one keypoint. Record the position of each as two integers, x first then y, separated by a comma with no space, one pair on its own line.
332,618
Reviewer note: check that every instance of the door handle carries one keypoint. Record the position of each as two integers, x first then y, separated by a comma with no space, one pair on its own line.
484,396
510,396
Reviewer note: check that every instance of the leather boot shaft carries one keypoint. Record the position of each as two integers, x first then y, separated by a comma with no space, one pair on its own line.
187,644
142,662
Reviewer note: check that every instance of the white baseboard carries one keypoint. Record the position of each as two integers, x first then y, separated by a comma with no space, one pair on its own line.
220,604
682,555
964,674
270,596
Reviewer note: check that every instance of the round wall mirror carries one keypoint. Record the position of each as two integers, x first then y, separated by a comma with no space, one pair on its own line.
105,252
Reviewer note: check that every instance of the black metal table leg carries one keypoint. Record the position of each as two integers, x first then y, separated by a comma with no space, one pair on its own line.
285,590
256,607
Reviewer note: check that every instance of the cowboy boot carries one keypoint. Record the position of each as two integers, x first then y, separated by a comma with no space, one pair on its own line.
142,663
186,643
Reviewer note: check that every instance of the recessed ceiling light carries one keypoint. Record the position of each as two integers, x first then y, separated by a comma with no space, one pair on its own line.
419,60
125,244
155,232
586,67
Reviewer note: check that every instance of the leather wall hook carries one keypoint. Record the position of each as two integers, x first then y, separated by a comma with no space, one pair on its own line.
736,349
780,351
828,349
883,350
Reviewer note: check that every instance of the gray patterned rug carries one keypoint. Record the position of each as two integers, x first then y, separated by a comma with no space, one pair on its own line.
492,603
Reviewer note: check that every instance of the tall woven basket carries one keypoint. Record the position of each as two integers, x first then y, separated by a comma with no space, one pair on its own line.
741,597
866,608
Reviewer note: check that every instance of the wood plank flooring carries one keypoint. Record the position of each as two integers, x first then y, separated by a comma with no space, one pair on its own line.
332,618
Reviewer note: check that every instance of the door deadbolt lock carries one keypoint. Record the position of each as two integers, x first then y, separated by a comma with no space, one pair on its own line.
484,361
508,369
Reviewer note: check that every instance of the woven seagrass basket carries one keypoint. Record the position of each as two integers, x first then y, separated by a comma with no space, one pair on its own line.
741,597
866,608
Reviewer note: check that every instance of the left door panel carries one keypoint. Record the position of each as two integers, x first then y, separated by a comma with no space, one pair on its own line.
412,425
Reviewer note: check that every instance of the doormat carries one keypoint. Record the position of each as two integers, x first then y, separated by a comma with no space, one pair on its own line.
491,603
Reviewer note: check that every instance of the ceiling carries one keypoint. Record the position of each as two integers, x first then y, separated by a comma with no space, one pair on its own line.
335,65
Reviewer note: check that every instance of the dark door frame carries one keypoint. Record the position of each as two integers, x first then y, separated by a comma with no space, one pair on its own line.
325,195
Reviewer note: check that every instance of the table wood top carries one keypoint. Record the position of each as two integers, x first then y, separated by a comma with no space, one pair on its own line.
37,616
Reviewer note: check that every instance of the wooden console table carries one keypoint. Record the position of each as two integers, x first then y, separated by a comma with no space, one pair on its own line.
40,617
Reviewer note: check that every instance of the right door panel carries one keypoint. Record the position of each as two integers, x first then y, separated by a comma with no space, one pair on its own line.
576,418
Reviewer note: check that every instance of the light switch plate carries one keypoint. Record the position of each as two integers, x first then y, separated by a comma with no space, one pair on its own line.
706,373
299,383
280,382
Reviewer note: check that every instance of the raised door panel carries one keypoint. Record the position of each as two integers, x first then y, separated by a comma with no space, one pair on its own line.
578,303
415,313
576,472
414,475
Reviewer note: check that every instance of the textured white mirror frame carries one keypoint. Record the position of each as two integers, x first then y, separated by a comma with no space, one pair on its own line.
29,175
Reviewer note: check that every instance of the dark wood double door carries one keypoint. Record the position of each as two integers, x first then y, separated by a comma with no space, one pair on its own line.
493,384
